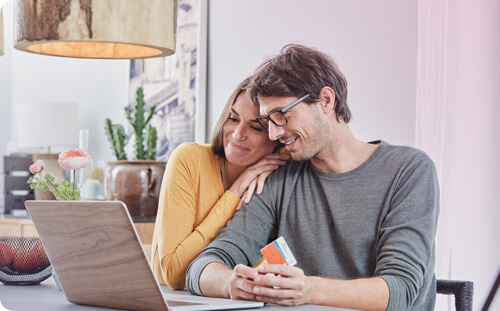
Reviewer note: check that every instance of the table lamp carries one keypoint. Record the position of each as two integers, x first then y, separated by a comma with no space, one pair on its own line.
43,126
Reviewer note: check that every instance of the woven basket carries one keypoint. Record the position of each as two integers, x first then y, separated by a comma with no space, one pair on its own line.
23,261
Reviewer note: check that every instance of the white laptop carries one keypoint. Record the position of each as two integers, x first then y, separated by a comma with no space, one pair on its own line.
99,260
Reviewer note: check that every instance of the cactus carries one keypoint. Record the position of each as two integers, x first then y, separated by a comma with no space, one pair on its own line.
146,135
150,138
116,136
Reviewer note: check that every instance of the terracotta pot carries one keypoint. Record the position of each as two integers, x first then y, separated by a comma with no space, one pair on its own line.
137,184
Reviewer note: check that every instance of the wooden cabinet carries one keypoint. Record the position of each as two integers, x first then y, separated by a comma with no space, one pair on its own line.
10,226
145,231
17,227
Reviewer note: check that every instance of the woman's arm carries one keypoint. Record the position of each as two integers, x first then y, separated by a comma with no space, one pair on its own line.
177,240
255,176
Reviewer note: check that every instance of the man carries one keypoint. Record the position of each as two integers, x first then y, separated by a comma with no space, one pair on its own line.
359,217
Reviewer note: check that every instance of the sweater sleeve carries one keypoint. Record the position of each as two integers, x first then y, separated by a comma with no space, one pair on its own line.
178,237
406,246
252,227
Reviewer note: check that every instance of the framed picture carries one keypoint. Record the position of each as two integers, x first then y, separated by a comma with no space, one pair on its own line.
176,84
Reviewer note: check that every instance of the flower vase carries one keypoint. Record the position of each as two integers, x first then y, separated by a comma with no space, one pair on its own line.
137,184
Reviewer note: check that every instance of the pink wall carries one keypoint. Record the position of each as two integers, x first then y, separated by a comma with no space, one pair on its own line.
474,169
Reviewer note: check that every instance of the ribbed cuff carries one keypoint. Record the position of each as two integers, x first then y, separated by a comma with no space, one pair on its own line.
194,271
394,296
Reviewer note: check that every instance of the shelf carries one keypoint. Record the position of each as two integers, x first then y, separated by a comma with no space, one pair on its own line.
15,226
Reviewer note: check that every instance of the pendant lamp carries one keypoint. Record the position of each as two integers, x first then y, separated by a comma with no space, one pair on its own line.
105,29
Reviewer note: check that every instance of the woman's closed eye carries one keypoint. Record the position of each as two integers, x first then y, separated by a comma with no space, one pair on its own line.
257,129
233,119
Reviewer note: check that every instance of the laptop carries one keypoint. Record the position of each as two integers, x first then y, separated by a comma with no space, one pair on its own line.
99,260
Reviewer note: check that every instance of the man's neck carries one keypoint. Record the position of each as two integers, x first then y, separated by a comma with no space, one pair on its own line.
344,154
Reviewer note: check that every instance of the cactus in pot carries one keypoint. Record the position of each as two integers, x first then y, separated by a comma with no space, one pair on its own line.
146,135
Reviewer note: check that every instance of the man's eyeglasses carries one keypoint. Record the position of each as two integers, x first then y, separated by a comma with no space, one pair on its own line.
278,116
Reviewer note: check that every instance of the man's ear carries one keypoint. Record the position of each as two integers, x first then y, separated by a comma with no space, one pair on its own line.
327,100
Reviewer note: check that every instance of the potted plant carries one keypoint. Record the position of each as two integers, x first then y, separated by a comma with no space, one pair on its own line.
138,182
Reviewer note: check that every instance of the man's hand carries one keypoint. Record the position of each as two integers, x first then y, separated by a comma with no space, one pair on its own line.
241,283
288,286
291,287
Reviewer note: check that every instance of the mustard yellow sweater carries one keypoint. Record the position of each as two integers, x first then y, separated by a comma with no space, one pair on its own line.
193,207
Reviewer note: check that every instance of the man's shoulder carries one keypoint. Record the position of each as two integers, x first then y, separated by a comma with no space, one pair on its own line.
404,154
290,171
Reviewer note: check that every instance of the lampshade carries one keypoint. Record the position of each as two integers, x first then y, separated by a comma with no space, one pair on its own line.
1,32
123,29
46,125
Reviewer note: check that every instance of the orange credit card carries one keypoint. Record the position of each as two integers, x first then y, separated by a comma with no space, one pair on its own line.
278,252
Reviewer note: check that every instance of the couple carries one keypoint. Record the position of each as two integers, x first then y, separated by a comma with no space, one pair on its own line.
359,217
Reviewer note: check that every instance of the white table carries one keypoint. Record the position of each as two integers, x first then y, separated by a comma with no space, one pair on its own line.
46,296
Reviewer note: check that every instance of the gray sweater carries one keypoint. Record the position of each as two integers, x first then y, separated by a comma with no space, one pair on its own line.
379,219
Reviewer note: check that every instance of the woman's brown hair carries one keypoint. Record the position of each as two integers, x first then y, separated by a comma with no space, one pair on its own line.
218,133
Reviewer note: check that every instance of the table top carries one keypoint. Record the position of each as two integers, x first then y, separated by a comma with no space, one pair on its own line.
47,296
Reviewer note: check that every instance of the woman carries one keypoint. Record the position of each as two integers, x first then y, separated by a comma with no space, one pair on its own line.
204,185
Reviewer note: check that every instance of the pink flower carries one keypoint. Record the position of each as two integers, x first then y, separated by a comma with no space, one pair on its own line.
37,167
74,159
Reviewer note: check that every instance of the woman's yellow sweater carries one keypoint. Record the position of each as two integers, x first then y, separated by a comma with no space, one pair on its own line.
192,208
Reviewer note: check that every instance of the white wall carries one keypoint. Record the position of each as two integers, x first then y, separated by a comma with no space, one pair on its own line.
98,86
457,124
373,42
5,97
361,35
473,169
375,45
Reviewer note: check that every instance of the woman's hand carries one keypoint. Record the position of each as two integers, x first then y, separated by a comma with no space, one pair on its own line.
257,183
255,175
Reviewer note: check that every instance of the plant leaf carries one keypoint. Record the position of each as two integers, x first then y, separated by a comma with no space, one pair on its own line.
50,178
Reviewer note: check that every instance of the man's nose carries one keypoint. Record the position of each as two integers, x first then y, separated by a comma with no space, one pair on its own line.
275,132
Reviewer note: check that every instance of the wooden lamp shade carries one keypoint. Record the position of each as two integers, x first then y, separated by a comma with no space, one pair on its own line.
105,29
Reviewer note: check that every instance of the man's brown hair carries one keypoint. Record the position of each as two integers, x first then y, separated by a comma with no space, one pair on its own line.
300,70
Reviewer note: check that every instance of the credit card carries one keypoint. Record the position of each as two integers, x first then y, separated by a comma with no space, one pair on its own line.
278,252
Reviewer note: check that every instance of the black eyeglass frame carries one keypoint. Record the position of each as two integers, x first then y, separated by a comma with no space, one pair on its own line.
282,111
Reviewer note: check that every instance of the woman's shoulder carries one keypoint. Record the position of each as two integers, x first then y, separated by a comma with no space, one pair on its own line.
192,151
190,147
193,157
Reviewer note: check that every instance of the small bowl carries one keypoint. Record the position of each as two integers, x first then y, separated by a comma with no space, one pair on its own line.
23,261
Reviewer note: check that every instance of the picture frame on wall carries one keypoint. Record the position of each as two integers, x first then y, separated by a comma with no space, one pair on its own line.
176,84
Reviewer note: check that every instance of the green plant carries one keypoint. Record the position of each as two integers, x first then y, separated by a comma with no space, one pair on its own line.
74,159
146,135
